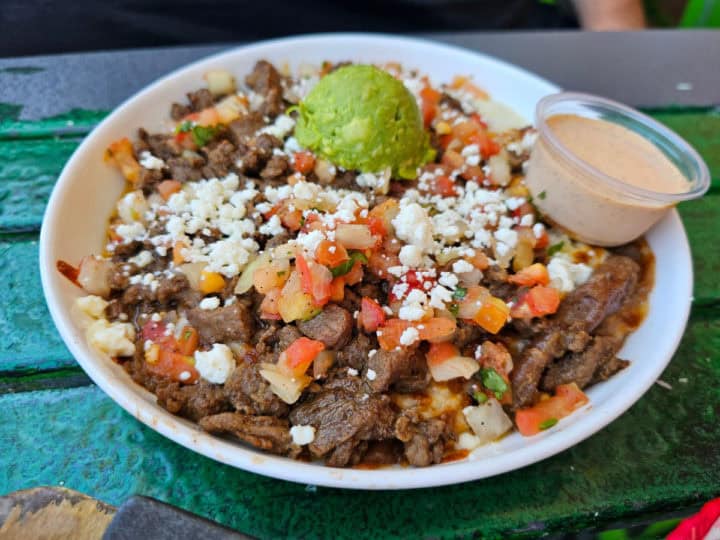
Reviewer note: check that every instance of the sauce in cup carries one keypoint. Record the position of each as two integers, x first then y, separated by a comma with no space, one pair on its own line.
607,173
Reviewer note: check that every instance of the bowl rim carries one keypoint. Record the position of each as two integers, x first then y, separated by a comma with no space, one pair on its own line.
192,437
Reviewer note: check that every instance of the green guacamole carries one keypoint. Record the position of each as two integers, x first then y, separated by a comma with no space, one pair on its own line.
360,117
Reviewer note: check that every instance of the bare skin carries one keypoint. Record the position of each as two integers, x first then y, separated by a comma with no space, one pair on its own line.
610,15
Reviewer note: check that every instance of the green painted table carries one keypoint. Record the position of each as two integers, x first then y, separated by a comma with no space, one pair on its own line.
59,429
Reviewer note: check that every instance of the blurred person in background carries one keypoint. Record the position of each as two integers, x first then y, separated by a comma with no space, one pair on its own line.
46,26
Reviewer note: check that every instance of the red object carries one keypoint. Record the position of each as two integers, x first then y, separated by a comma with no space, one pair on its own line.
300,354
331,253
430,99
315,280
303,162
696,527
372,315
533,420
69,271
532,275
444,185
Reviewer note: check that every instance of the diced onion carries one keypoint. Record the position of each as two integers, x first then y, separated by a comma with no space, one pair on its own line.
246,278
193,272
471,278
499,169
94,275
283,385
325,171
220,82
488,420
230,108
354,236
454,367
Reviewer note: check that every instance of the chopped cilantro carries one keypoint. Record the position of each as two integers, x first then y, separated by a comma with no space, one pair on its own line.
552,250
542,195
343,268
454,309
547,424
480,397
184,126
459,293
204,134
187,335
492,380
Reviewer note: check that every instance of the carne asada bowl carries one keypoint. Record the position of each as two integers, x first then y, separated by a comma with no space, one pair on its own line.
311,262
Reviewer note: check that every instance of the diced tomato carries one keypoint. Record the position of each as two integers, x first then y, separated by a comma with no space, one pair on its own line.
154,331
372,315
315,280
439,352
175,366
452,159
184,139
377,226
291,219
430,99
492,315
488,147
543,300
167,187
331,253
269,305
543,241
445,140
475,117
434,329
473,172
533,420
479,260
444,185
386,211
187,343
355,274
296,359
337,289
535,274
303,162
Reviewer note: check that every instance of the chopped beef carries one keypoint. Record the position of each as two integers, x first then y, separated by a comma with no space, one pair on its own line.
276,167
400,366
179,111
424,441
452,103
220,158
193,401
277,240
122,252
355,353
333,326
608,369
183,169
339,416
160,145
580,312
249,393
243,129
171,287
267,432
148,179
346,180
580,367
200,99
265,80
223,324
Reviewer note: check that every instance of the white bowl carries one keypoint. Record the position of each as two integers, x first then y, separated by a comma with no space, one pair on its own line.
85,194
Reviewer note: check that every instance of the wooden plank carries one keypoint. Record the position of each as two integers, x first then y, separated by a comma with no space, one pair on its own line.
80,438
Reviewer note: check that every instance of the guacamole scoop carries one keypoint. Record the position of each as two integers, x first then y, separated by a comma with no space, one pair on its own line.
361,117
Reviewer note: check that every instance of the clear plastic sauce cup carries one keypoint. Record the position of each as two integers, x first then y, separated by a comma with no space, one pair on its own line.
606,173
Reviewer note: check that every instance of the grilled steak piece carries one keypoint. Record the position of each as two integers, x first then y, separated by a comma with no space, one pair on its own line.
424,441
193,401
249,393
265,80
266,432
355,354
581,366
333,326
406,367
580,313
224,324
340,416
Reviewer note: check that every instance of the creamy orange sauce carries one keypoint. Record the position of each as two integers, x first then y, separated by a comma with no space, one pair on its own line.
618,152
578,200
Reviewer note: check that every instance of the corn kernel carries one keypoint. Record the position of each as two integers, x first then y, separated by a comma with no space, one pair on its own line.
211,282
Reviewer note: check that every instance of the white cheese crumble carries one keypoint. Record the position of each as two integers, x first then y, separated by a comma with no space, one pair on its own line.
114,339
272,227
371,375
142,259
91,305
210,303
216,364
409,336
414,226
565,275
302,435
280,128
149,161
411,256
461,267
